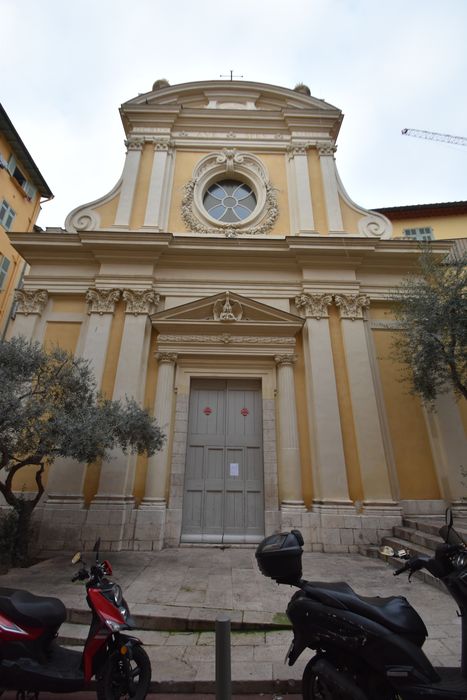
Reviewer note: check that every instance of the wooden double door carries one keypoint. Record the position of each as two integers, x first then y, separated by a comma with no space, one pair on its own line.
224,481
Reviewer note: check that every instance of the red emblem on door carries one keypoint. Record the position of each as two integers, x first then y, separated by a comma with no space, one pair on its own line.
244,411
207,411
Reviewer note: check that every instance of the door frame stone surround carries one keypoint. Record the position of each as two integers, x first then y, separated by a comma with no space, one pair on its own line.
226,368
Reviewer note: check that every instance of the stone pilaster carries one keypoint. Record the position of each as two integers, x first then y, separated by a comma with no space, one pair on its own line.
299,186
30,306
331,191
151,516
64,513
111,512
129,177
329,472
163,150
449,448
368,432
289,467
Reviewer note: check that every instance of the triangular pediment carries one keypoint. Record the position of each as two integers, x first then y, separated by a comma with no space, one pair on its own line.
226,312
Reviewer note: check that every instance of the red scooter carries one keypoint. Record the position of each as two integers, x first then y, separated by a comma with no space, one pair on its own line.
31,661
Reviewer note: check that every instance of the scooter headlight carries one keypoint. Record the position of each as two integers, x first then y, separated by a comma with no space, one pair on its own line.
118,594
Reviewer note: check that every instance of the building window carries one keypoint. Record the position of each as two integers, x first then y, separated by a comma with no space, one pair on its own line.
229,201
28,189
7,215
4,265
423,233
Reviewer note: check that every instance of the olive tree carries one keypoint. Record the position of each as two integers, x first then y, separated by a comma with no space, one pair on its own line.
49,408
431,306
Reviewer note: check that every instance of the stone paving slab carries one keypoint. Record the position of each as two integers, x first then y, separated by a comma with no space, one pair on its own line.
175,628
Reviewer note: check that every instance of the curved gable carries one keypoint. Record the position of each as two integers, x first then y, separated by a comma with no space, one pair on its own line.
230,94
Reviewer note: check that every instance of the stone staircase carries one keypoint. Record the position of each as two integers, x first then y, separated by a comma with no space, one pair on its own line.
417,535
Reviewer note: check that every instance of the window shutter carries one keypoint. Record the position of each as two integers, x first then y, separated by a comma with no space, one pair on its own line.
11,164
4,265
30,190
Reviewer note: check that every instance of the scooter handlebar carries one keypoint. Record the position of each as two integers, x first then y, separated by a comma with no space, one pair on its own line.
412,565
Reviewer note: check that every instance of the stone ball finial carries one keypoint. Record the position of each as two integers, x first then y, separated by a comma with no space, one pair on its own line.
159,84
301,87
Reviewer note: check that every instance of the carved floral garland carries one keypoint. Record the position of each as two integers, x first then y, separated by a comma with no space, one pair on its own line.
194,224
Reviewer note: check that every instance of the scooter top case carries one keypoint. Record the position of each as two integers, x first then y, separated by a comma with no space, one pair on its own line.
28,623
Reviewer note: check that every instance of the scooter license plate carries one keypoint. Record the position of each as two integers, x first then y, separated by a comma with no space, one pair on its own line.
289,651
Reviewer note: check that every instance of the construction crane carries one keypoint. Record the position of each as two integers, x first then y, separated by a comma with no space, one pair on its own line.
435,136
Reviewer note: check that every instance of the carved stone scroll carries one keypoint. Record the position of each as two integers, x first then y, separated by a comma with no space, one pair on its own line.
351,305
140,301
313,305
102,301
31,301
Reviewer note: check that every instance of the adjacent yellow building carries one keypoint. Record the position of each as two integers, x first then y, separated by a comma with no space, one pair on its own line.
21,189
231,285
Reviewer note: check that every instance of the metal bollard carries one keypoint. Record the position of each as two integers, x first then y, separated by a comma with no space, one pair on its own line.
223,667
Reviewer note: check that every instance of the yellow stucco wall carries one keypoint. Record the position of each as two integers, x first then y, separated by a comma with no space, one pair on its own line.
108,211
352,461
26,216
26,211
350,217
68,304
410,441
185,162
446,226
66,336
302,419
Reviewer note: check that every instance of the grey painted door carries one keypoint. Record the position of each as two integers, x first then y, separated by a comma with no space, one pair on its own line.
223,495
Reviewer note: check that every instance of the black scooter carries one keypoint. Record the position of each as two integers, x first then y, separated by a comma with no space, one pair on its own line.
368,648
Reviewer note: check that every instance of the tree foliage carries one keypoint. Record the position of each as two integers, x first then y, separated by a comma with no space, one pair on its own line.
49,408
431,306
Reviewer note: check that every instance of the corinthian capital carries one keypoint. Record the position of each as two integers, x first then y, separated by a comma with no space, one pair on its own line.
134,144
297,149
326,149
351,305
167,357
313,305
285,360
31,301
140,301
102,301
163,144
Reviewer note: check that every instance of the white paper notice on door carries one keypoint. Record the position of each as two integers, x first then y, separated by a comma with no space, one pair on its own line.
234,471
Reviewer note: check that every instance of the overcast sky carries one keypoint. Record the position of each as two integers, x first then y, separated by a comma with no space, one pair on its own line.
67,67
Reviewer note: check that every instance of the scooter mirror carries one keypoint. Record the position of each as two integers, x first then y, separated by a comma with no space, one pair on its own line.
76,558
96,548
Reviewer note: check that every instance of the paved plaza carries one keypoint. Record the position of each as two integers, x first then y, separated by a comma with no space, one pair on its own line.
176,595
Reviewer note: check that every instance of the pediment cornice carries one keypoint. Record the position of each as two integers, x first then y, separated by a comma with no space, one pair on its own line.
227,313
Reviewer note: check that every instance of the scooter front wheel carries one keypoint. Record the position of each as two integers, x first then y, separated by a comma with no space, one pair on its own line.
125,678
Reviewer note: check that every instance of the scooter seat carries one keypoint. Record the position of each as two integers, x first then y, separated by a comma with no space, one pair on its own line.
394,612
31,610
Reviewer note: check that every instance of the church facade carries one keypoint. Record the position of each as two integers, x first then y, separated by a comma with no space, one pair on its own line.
230,284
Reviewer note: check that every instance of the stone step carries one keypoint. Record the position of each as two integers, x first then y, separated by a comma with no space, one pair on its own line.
432,525
418,537
173,618
184,662
414,550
